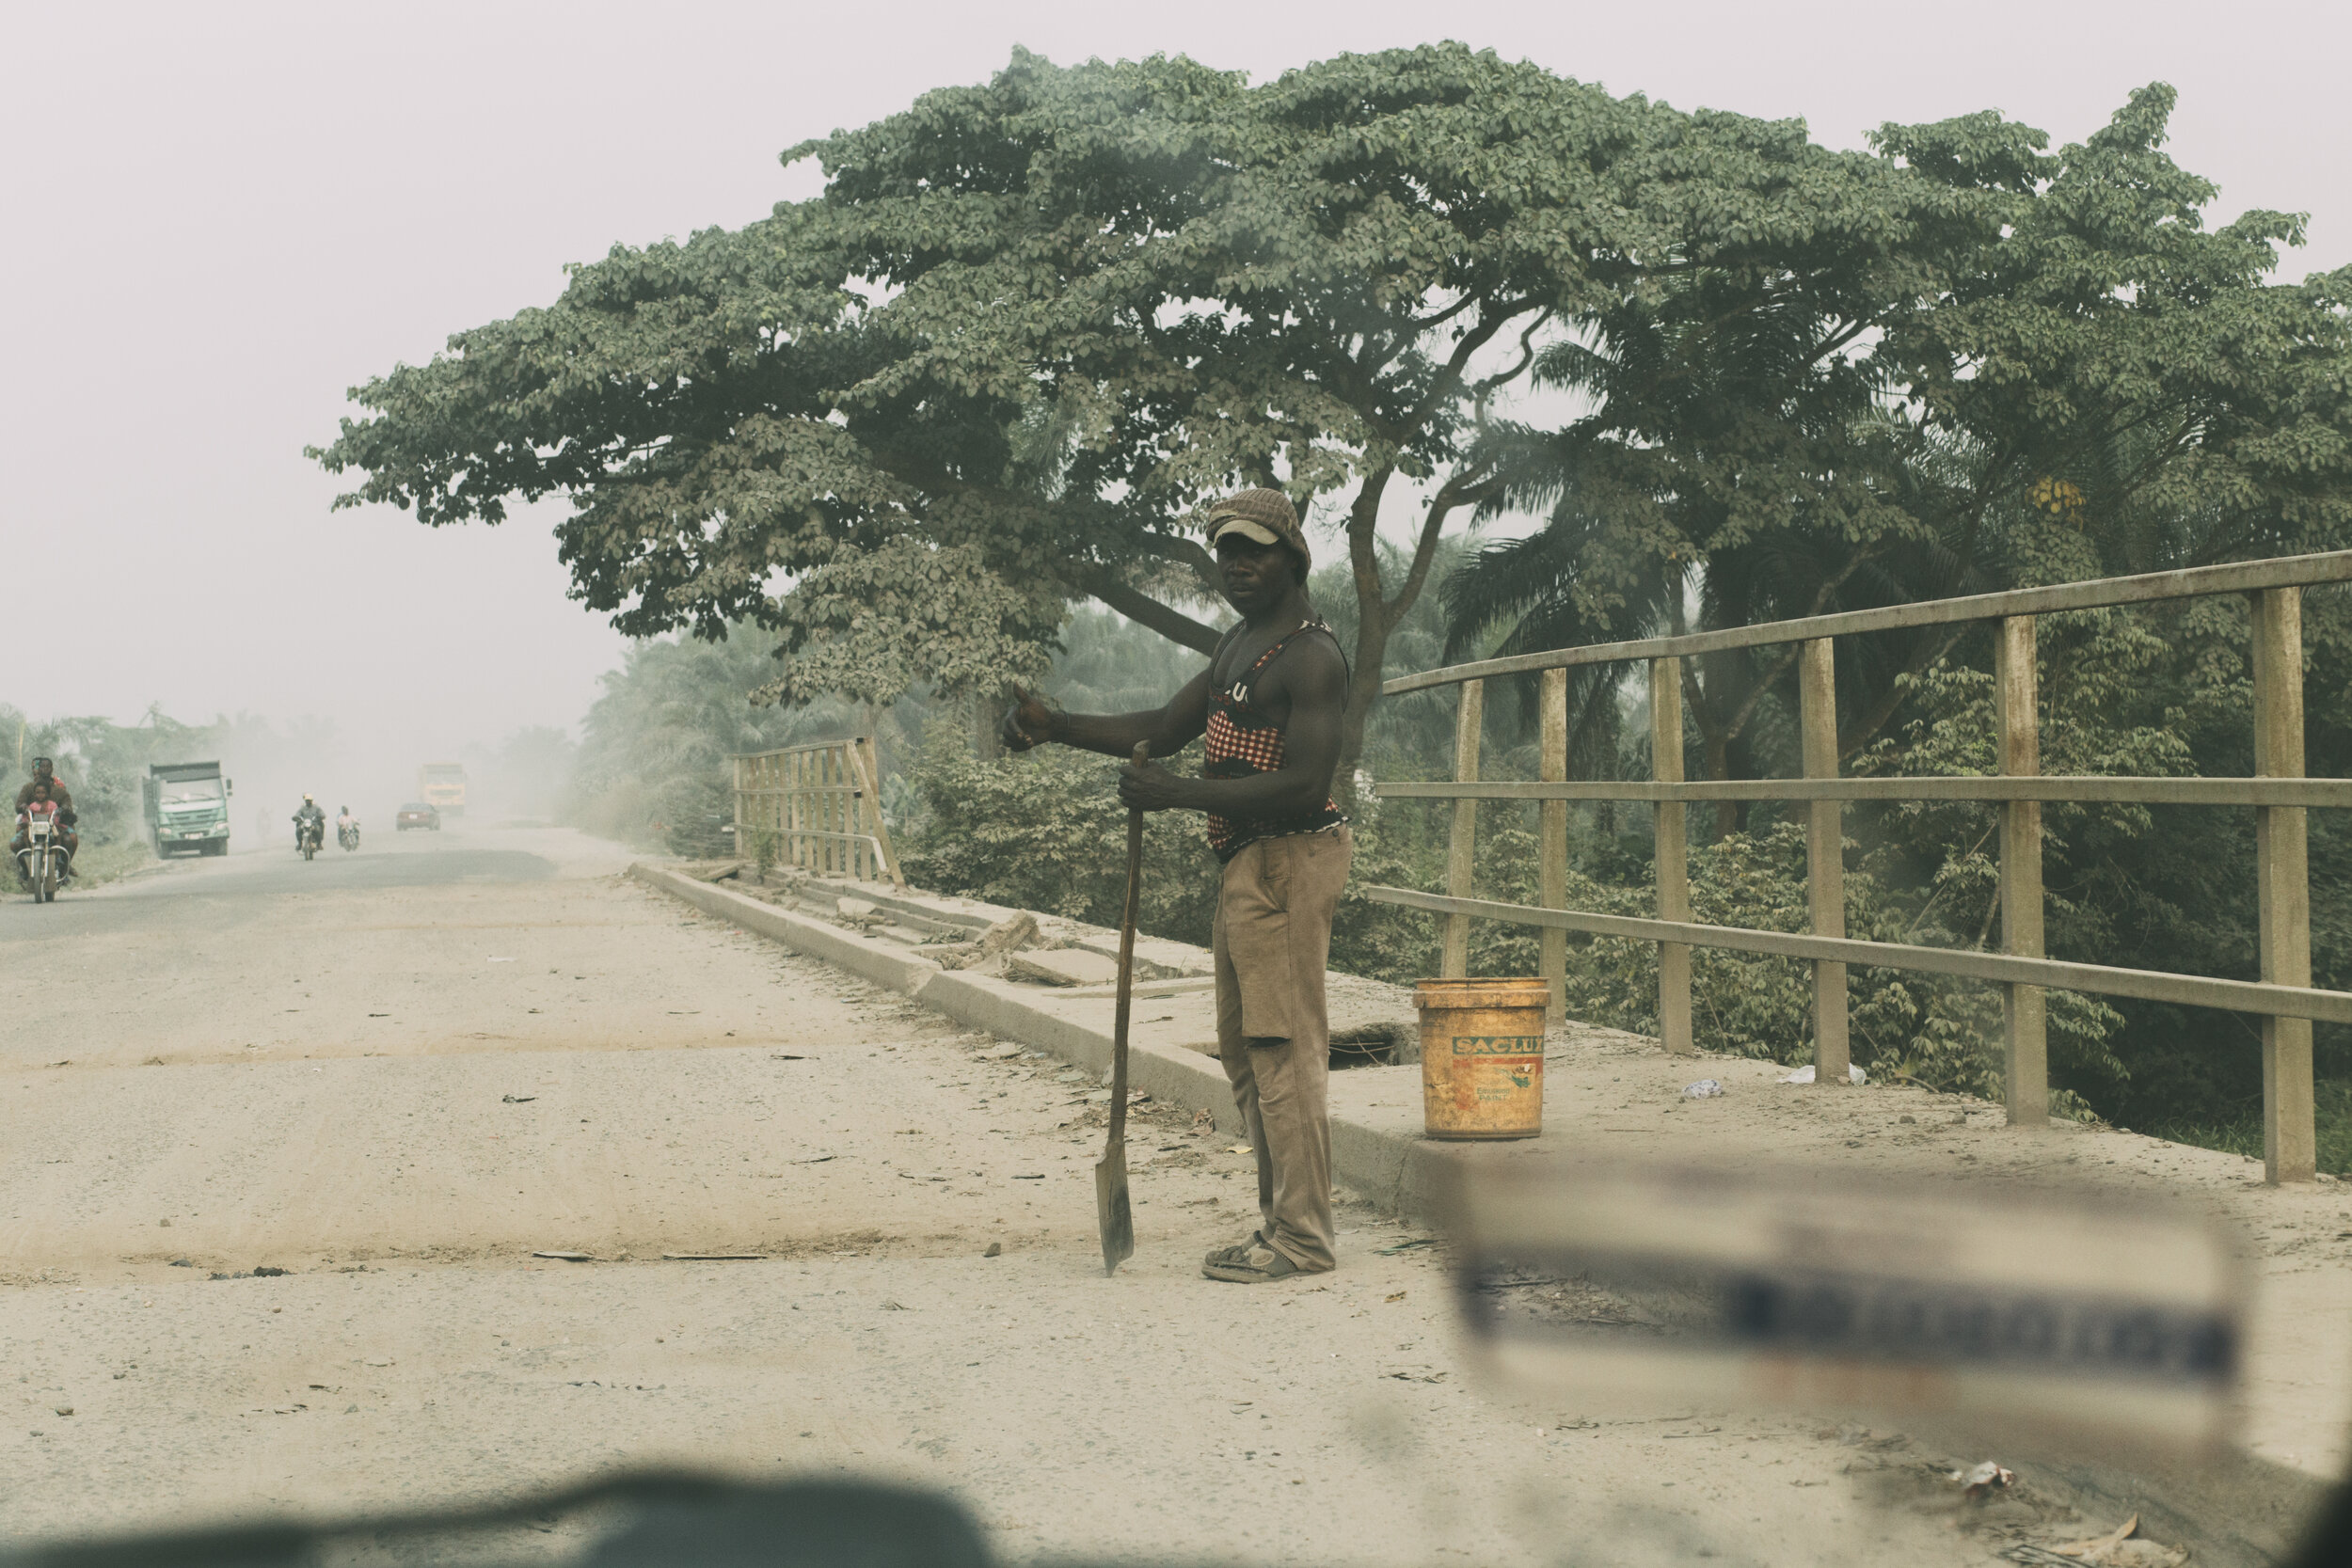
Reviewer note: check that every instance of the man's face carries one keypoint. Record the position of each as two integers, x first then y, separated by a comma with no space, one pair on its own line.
41,771
1256,576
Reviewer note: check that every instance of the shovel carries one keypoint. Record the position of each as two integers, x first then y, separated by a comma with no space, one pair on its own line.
1113,1215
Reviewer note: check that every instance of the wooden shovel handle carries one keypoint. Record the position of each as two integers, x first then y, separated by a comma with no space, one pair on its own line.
1127,960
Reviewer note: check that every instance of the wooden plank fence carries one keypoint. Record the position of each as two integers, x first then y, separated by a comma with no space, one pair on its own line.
2283,998
820,806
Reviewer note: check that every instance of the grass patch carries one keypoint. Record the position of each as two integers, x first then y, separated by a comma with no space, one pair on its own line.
96,864
2333,1105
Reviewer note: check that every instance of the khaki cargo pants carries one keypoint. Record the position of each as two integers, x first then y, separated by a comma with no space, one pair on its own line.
1272,942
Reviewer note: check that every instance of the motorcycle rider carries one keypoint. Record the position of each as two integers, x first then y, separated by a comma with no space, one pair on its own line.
45,778
310,815
345,823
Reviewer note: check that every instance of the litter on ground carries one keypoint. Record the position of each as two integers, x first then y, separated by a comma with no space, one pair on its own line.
1804,1075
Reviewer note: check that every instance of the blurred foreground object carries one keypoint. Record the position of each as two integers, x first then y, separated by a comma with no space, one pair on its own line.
2070,1315
640,1521
678,1520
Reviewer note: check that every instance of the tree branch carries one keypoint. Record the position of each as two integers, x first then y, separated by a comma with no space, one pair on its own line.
1179,550
1452,494
1866,726
1451,379
1781,666
1417,325
1144,611
1484,388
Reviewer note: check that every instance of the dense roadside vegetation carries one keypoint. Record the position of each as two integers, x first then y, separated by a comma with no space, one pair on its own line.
2156,692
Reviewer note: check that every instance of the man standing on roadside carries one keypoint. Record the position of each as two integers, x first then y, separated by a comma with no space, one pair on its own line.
1270,703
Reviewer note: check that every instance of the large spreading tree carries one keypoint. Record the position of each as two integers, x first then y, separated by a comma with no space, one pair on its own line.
1030,328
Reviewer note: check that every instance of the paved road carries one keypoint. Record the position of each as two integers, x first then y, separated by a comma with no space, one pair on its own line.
187,891
397,1075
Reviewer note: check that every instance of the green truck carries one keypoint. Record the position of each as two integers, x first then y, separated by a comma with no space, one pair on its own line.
187,807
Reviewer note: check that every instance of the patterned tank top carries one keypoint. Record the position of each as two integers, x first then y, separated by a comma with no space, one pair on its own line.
1243,740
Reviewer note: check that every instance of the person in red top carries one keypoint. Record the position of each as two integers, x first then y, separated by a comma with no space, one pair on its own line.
1270,705
45,777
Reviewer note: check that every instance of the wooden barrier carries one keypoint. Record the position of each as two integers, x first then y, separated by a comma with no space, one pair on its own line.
2284,997
820,806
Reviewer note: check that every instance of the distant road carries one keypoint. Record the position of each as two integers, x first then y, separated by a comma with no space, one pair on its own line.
242,884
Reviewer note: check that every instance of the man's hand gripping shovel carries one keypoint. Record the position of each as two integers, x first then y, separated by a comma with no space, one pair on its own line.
1113,1213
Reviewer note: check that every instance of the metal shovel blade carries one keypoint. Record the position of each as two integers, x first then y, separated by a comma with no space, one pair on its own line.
1112,1215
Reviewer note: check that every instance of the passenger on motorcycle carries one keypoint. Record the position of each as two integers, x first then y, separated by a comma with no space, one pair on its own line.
311,815
45,781
45,775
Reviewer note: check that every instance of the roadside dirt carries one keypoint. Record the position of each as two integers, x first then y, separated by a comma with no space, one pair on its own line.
398,1092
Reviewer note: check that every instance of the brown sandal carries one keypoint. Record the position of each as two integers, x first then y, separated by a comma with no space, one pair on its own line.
1256,1265
1235,1253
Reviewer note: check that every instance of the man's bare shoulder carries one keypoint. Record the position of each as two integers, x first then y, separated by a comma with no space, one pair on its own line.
1313,665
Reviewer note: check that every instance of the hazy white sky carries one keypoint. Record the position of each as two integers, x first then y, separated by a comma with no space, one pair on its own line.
220,216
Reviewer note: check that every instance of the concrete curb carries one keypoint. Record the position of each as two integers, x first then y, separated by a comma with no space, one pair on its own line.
1386,1161
882,963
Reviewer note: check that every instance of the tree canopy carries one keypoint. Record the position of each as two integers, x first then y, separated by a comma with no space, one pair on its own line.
2063,372
1031,326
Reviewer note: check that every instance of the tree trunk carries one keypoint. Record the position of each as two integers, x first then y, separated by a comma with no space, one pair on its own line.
1376,615
983,713
1363,690
1373,622
1717,752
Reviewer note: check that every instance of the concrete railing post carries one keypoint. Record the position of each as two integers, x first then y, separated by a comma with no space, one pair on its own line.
1461,859
1672,856
2024,1009
1552,843
2282,873
1824,855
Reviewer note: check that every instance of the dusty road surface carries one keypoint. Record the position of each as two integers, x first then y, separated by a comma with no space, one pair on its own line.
396,1076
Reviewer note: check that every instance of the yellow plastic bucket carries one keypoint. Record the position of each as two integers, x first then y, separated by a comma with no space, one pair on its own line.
1482,1057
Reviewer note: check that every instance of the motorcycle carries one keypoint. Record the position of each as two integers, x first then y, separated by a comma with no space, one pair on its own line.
42,859
347,834
307,836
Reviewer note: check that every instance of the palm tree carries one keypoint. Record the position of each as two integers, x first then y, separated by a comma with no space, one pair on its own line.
1734,464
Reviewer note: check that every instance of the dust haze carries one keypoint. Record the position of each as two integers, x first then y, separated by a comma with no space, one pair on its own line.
227,216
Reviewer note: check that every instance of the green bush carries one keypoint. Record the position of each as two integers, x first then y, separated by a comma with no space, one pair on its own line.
1044,831
2242,1134
1928,1029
